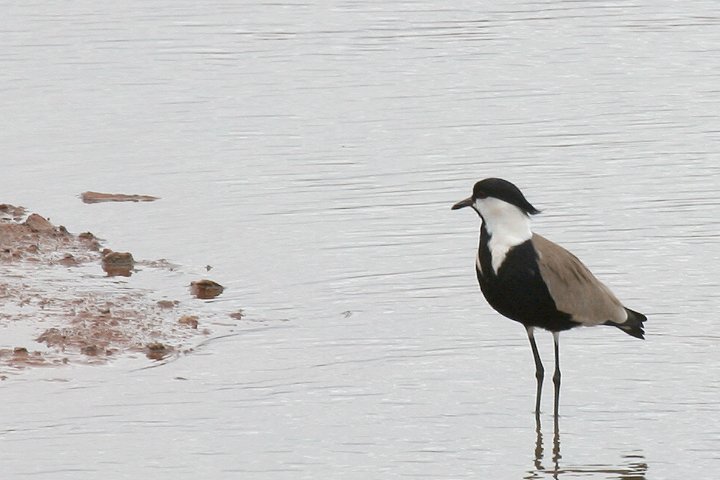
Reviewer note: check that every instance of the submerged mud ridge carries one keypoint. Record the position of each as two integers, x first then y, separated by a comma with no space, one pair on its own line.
98,197
60,303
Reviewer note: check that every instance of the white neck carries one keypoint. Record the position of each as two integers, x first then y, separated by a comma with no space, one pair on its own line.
507,226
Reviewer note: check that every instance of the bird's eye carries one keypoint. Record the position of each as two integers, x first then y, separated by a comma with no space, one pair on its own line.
481,195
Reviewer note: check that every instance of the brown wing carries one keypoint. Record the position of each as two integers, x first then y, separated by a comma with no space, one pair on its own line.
574,288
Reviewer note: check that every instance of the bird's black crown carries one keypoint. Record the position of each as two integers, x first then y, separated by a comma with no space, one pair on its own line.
505,191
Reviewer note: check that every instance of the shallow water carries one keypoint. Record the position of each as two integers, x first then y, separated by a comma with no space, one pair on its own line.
310,154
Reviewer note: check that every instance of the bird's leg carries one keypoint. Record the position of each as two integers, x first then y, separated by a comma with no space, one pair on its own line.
539,370
556,375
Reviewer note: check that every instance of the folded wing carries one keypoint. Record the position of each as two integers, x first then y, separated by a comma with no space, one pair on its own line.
574,288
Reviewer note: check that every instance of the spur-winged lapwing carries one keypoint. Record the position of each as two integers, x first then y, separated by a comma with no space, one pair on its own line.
534,281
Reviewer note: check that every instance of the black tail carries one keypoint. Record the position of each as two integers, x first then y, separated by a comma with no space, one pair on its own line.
633,325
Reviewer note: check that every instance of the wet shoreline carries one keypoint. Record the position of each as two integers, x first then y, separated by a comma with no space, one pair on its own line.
60,302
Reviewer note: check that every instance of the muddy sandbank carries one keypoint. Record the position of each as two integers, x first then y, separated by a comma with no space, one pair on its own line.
60,304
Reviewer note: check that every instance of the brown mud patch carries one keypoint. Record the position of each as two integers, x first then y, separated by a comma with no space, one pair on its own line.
205,289
37,240
98,197
117,263
57,306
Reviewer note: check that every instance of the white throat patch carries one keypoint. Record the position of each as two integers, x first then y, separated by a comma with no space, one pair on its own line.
507,225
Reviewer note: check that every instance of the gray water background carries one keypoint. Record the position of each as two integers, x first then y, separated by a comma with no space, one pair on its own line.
310,153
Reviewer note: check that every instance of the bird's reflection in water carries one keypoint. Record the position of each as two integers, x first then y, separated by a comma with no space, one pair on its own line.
633,467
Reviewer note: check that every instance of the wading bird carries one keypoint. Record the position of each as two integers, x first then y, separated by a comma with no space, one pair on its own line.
534,281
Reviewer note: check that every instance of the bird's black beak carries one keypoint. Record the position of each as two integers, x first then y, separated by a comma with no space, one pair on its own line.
468,202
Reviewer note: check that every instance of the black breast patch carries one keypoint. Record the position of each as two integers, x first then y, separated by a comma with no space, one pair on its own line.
517,291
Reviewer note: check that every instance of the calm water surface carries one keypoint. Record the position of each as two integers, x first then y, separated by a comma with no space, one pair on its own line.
310,153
